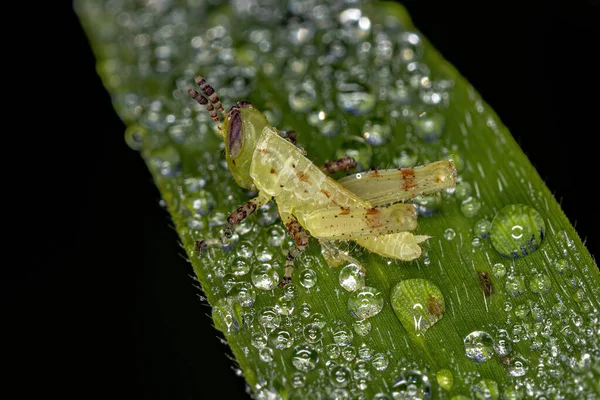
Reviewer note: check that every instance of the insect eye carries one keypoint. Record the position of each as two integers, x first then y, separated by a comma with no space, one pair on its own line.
234,133
243,104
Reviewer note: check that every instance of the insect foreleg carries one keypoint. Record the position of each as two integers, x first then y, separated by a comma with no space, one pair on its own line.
336,257
300,238
341,164
234,218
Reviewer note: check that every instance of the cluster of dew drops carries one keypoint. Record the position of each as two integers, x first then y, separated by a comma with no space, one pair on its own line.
335,64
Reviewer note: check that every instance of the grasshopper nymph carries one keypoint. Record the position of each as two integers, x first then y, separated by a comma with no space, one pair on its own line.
366,208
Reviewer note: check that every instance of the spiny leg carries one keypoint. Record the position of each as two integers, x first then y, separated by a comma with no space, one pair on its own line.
200,99
301,239
234,218
341,164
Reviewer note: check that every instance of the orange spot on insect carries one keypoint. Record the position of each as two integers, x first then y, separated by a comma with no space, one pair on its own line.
345,210
264,151
435,306
303,177
408,178
273,171
326,193
372,211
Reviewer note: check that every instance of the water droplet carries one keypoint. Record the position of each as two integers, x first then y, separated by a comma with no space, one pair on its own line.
499,270
312,333
540,284
463,190
266,354
445,379
355,26
166,161
380,362
239,267
355,98
298,380
134,136
482,228
517,230
479,346
365,303
269,318
340,376
515,285
410,47
517,366
470,207
264,277
281,339
284,306
308,278
562,266
224,316
243,293
276,235
319,319
305,358
486,389
407,157
376,133
267,214
502,343
349,353
333,351
429,126
412,385
428,205
449,234
302,99
343,337
305,309
418,304
351,278
362,327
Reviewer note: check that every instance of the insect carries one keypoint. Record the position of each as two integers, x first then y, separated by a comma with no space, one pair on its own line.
366,208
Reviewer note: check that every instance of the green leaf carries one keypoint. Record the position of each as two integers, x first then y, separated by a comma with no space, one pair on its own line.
503,301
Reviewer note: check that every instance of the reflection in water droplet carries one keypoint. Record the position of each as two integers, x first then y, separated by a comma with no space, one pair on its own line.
515,285
365,303
407,157
134,136
412,385
418,304
281,339
429,126
305,358
355,98
239,266
517,230
298,380
223,316
479,346
312,333
499,270
264,277
517,366
308,278
351,278
486,389
445,379
340,376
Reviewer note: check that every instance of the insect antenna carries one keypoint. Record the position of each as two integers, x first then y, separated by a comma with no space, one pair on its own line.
202,100
210,92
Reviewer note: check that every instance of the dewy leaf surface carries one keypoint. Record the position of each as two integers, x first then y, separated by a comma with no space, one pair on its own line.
504,300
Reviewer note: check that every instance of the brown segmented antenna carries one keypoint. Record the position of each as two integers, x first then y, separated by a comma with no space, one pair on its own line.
200,99
210,92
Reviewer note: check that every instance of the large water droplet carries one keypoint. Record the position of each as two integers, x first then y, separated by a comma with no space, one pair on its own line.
412,385
312,333
264,277
281,339
308,278
365,303
351,278
305,358
479,346
418,304
540,284
517,230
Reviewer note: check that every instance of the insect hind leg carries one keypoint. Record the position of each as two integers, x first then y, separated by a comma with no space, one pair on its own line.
341,164
301,239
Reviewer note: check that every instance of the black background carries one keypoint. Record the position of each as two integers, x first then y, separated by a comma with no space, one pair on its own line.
95,294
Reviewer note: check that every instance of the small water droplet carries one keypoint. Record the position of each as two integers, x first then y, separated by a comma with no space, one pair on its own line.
258,340
362,327
407,157
540,284
410,47
515,285
305,358
266,354
355,26
166,161
463,190
281,339
445,379
380,362
365,303
418,304
308,278
340,376
349,353
302,99
355,98
239,267
243,293
486,389
429,205
298,380
482,228
376,133
429,126
333,351
449,234
479,346
517,230
134,136
269,318
412,385
470,207
517,366
224,316
312,333
343,337
499,270
562,266
351,278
